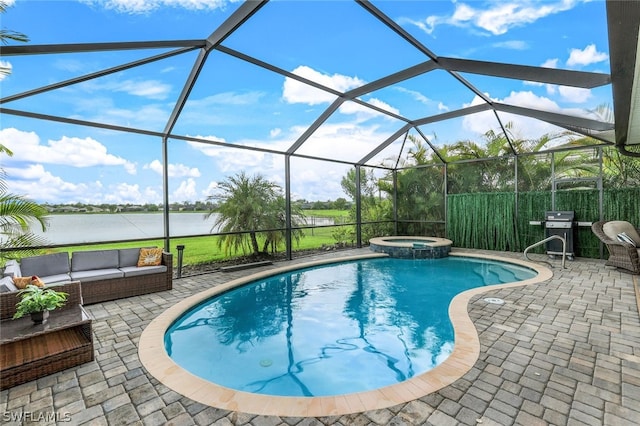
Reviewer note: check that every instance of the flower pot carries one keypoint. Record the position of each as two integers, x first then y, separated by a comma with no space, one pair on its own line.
39,317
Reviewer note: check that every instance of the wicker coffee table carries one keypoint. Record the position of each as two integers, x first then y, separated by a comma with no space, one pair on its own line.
29,351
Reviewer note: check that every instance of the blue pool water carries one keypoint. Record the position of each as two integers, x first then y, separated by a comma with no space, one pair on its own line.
332,329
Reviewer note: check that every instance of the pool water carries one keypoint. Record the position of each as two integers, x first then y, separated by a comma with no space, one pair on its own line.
331,329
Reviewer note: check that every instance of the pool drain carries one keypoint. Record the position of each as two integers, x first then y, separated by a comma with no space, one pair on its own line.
266,363
494,301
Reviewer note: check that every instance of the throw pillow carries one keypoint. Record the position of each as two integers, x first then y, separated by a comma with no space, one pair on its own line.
623,237
21,282
150,257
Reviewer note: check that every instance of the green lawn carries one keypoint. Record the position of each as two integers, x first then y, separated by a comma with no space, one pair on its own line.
205,249
327,213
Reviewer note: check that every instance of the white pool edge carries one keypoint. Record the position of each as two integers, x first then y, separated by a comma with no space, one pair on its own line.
466,351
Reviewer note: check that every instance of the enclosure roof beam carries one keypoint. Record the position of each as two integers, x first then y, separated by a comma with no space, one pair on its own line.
98,74
587,80
246,10
393,79
433,147
384,144
232,23
315,125
555,118
623,23
39,49
415,43
452,114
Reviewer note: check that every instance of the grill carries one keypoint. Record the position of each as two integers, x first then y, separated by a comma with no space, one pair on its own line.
561,223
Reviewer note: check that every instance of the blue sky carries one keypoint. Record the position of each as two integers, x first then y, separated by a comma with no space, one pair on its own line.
336,43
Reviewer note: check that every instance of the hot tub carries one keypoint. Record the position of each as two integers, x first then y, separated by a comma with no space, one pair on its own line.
411,247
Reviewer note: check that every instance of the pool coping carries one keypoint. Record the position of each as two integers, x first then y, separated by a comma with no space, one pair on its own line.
390,241
465,354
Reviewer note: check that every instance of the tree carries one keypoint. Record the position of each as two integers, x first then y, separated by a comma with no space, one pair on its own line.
17,216
372,207
248,208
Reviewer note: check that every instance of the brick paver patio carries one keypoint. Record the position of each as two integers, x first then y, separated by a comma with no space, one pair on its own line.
564,352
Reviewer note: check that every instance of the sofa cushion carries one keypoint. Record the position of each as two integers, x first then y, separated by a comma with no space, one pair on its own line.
48,264
56,279
615,227
96,274
93,259
134,271
128,257
12,269
7,285
150,257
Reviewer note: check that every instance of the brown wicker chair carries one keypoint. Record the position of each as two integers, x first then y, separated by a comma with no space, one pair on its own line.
621,255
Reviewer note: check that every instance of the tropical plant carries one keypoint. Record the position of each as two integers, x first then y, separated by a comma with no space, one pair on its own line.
34,299
17,216
373,207
249,208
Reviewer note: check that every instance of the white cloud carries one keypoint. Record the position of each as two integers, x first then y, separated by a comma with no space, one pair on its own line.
175,170
71,65
68,151
210,189
125,193
363,113
186,191
227,98
314,180
576,95
148,116
151,89
512,45
146,6
498,18
275,132
296,92
6,66
415,95
525,127
35,183
588,55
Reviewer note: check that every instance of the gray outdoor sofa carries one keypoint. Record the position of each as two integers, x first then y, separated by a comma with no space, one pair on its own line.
104,274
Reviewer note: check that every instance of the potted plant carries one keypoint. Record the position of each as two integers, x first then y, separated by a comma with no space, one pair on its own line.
38,301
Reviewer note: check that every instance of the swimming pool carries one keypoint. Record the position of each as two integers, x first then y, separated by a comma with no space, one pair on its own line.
414,382
333,329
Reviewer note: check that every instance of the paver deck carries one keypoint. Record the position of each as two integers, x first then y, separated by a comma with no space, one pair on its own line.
564,352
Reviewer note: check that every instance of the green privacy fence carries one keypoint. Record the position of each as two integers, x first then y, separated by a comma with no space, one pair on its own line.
500,221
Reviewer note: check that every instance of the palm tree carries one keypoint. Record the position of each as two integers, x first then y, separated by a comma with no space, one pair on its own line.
247,205
17,216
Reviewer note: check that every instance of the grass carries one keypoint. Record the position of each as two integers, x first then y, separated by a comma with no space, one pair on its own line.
328,213
204,249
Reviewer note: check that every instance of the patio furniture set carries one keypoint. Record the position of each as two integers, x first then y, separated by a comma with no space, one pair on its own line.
29,351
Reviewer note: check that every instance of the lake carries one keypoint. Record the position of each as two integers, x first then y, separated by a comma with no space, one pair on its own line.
88,228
